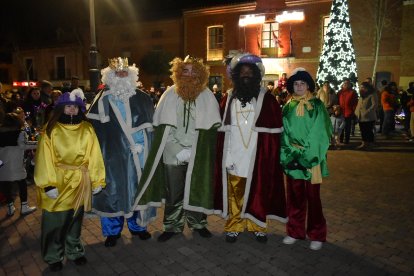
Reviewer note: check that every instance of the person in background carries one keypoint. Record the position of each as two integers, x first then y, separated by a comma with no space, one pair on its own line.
282,83
305,142
410,104
271,87
249,186
389,104
46,88
15,101
384,84
74,83
405,97
54,97
121,116
217,93
31,136
140,86
366,113
180,166
35,108
69,169
348,100
13,143
338,125
328,96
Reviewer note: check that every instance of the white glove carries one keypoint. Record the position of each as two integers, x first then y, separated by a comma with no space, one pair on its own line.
53,194
184,155
137,148
97,190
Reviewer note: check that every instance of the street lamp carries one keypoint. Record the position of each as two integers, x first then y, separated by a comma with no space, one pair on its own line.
94,73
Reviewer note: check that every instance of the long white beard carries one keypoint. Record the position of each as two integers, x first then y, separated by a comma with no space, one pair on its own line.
122,90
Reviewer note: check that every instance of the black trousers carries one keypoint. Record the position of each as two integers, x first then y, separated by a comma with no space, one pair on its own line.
7,187
367,131
347,130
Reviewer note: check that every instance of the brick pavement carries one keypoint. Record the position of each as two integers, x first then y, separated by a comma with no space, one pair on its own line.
368,205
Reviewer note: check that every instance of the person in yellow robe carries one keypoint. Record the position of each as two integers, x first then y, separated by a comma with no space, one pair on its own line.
69,169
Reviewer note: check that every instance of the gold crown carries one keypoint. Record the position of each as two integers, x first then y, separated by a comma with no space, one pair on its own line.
190,59
118,64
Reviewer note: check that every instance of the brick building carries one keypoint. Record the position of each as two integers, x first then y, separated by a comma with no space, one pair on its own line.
214,32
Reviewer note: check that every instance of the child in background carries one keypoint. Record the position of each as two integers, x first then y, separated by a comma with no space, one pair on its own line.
338,125
13,143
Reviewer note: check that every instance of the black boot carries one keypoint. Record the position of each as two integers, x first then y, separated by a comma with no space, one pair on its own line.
204,232
80,261
143,235
111,240
56,266
165,236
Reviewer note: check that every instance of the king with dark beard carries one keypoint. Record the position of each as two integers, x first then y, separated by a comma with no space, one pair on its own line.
249,186
180,165
246,80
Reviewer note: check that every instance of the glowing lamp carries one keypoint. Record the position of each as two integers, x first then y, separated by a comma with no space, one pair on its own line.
290,16
251,19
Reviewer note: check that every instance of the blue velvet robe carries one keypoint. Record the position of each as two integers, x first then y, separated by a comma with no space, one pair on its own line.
116,136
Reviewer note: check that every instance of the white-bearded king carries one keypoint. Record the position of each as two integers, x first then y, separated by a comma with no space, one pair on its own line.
122,116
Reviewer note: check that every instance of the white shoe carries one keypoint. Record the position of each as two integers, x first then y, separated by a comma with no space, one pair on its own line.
315,245
26,209
10,209
289,240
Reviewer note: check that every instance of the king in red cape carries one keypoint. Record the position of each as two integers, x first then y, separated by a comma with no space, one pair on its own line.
249,187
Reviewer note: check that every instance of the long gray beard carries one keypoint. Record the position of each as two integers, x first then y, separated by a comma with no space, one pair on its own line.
122,91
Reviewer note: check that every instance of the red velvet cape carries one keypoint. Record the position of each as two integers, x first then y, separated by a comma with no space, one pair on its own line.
266,197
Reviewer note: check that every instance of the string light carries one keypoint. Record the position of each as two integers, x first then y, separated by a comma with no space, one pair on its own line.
337,60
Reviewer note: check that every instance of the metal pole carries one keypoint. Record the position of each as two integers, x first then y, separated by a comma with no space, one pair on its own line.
93,51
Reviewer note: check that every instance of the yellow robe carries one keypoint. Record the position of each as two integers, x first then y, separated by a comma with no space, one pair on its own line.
57,158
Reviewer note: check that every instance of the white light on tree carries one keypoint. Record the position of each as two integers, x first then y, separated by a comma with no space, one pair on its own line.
337,60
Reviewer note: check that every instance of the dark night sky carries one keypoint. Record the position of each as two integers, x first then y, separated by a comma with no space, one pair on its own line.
27,23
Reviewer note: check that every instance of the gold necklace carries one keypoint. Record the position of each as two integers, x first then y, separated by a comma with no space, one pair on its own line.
242,113
246,145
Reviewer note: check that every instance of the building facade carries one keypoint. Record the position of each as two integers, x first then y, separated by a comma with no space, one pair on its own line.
215,32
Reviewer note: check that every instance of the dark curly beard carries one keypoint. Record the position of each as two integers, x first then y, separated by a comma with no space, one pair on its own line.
245,89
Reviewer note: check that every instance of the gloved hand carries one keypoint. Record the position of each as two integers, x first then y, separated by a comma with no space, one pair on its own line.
294,165
53,193
137,148
184,155
97,190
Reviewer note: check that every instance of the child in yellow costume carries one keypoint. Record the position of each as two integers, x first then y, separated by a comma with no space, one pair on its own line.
69,168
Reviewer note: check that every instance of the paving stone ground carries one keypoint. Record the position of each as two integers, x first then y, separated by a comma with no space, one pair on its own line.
368,203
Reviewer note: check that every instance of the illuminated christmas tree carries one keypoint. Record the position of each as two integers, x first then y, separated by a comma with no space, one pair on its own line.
337,60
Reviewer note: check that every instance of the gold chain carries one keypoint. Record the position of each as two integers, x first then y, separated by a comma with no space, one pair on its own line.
246,145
